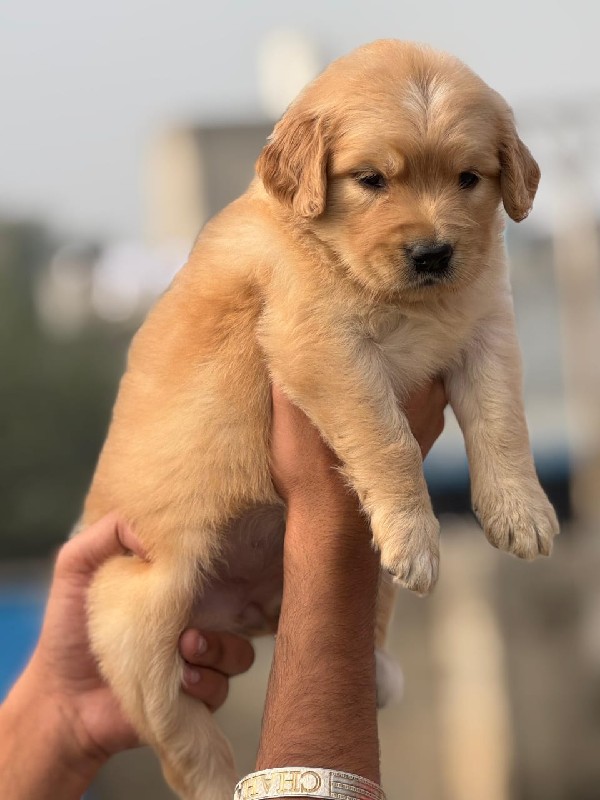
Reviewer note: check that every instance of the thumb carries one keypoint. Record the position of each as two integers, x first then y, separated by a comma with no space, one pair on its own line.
85,552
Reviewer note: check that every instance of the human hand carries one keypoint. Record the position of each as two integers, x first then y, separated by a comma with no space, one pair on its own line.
302,463
64,671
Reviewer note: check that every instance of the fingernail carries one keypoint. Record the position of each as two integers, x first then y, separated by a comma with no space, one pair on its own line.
201,645
191,676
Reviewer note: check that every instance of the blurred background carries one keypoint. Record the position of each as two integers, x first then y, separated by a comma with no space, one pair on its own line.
124,126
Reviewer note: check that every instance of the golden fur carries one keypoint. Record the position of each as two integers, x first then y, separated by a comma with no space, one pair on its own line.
306,280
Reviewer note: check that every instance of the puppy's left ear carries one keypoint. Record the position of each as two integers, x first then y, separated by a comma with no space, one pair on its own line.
293,165
519,174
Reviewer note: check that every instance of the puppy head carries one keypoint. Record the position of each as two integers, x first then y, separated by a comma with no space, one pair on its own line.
397,157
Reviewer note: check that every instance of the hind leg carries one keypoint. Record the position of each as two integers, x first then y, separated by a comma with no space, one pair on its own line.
137,611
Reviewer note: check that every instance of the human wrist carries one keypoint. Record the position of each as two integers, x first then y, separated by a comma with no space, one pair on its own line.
56,762
307,781
321,661
66,705
80,755
324,652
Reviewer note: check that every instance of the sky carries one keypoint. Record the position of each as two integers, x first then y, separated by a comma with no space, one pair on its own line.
85,86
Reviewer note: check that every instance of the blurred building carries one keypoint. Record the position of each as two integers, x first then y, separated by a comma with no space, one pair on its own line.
193,172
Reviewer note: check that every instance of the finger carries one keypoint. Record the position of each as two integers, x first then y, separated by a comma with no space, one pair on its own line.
277,396
207,685
85,552
283,403
432,394
289,416
438,394
225,652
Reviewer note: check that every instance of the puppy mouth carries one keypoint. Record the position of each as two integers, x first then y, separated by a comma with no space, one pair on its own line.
424,280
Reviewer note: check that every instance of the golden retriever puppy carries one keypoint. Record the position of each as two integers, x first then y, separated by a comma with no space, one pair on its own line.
365,258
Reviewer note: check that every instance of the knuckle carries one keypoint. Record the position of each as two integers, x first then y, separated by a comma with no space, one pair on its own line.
217,689
64,557
216,649
242,655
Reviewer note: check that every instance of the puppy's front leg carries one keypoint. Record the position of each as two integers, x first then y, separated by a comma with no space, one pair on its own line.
340,381
486,396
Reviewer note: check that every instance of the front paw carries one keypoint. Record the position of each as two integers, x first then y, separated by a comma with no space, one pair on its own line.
516,516
409,546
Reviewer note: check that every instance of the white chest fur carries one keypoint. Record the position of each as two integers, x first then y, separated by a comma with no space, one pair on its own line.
419,345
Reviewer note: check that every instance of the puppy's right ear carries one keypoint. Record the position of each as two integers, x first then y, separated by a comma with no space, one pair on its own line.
293,165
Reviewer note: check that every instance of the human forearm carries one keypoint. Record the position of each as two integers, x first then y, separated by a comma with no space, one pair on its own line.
321,709
321,700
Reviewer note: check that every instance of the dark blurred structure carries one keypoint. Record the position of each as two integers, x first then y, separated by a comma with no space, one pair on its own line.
58,383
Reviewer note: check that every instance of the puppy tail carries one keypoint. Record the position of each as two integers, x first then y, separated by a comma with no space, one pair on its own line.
137,611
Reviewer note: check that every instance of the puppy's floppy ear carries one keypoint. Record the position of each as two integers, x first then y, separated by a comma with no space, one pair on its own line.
519,174
293,165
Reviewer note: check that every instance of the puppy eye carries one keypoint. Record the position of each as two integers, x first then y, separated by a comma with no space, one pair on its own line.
372,180
467,180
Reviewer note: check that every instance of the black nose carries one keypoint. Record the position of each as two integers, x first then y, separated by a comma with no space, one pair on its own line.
431,257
